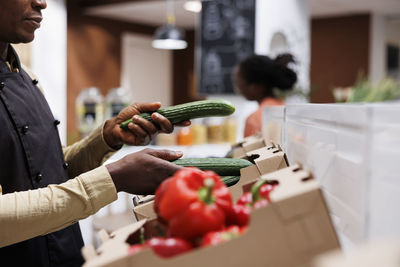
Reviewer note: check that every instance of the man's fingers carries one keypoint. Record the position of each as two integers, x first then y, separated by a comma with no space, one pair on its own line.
165,154
146,125
183,123
147,107
164,124
133,140
137,130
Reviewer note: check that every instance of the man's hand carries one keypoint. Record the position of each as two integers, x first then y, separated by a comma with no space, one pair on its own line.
141,172
141,131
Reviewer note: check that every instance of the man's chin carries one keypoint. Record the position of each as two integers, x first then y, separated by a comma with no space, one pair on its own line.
24,41
23,38
28,38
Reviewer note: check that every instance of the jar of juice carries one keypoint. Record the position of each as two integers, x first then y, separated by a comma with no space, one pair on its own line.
199,130
215,131
185,136
230,130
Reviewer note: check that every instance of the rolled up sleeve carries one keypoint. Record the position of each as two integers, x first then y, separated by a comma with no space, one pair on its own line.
87,154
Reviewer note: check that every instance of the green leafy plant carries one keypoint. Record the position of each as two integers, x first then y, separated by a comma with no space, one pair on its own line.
365,91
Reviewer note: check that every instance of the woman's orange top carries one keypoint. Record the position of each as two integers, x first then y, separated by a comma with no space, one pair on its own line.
253,122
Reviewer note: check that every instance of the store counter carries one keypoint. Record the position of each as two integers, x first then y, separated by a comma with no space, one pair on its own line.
195,151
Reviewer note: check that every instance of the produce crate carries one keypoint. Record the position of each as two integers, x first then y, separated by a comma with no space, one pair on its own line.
290,231
352,150
248,144
332,140
266,160
383,217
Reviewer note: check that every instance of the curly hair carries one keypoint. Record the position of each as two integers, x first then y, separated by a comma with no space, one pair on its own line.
271,73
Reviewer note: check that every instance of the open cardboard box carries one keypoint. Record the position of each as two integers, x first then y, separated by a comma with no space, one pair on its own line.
266,159
144,210
290,231
248,144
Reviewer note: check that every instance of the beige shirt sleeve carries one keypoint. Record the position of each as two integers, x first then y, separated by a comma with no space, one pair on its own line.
27,214
87,154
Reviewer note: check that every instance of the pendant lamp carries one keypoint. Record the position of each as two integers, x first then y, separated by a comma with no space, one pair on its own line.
169,36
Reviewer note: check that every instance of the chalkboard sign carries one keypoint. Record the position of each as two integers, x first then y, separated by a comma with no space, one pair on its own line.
226,37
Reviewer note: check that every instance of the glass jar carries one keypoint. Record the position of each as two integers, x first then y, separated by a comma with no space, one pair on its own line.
215,130
199,130
230,130
185,136
116,100
90,110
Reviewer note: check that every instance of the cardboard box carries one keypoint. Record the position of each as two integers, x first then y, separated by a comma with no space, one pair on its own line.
290,231
266,159
143,208
250,143
378,253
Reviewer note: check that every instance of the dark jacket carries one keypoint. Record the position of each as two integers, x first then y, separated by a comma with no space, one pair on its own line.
31,157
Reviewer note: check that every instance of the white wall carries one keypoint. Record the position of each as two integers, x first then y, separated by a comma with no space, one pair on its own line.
393,31
377,48
383,31
292,18
49,61
146,71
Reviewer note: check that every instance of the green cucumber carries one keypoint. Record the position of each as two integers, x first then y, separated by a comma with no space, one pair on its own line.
230,180
191,110
222,166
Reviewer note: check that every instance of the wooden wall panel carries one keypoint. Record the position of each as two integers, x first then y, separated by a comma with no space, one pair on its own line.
184,76
339,52
93,57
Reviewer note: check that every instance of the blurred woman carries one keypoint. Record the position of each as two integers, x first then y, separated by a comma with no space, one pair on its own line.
258,78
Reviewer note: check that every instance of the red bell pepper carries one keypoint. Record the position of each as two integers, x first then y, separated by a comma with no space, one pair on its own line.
193,203
198,219
163,247
239,215
168,247
158,196
260,203
218,237
245,200
260,192
264,190
259,195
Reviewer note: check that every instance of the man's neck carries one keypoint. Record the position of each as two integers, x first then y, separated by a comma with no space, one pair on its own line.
3,50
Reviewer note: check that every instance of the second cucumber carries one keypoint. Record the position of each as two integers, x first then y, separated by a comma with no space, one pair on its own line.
222,166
